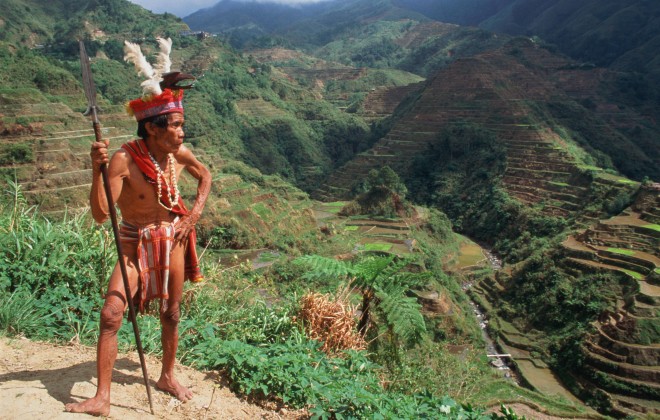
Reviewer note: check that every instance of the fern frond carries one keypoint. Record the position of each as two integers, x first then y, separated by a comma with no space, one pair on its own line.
322,267
406,279
369,269
402,313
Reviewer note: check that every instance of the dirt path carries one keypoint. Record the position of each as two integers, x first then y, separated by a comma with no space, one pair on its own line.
37,379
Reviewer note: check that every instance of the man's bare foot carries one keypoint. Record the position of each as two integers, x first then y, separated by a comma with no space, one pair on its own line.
173,387
95,406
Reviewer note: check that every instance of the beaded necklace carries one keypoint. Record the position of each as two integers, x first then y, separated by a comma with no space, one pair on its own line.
174,200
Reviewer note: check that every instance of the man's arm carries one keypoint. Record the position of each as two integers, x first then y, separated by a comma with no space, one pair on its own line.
195,168
117,170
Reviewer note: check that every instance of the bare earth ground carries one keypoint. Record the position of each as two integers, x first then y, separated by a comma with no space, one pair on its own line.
38,379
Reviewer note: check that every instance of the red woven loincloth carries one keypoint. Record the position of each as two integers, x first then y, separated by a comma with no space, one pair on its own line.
154,248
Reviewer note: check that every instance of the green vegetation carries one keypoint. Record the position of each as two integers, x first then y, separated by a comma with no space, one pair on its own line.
621,251
460,175
611,149
653,227
58,268
633,274
649,331
381,194
383,282
16,153
377,247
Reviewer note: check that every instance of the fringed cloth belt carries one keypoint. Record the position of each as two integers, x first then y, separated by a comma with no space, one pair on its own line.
154,247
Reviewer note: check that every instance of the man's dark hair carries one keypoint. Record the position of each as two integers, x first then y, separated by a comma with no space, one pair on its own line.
157,120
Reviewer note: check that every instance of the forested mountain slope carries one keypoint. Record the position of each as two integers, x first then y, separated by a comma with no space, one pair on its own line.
622,35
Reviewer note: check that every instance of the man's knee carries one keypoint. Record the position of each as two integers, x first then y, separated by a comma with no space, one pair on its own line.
111,315
171,314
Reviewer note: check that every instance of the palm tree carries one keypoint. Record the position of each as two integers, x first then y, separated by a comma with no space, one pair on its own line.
384,283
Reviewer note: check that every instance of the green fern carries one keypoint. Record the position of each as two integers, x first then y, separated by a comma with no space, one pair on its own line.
369,270
402,313
323,267
384,282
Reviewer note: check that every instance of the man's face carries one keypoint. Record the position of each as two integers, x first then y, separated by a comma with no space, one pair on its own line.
170,138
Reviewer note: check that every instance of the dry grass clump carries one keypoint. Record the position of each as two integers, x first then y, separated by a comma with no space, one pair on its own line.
331,321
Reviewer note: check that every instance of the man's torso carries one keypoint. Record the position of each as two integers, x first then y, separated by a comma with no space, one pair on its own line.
138,201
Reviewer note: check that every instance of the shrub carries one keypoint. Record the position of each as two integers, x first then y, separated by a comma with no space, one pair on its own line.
16,153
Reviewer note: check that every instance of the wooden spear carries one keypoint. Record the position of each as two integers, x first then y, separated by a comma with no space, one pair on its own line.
90,92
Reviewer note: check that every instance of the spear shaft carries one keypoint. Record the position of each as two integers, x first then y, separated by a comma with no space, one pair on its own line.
90,92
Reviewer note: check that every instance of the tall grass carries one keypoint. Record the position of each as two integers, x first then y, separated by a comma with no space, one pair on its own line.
18,315
53,268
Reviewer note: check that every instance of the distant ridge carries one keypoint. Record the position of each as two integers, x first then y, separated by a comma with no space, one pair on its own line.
498,91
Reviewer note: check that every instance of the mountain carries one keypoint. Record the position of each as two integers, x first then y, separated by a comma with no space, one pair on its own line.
530,100
622,35
388,34
619,35
312,24
601,32
255,18
35,23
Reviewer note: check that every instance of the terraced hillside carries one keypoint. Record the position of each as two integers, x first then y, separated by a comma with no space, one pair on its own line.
383,235
54,170
503,93
623,354
342,84
256,214
381,102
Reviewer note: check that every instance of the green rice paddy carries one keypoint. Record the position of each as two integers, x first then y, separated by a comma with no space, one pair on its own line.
652,227
633,274
621,251
377,247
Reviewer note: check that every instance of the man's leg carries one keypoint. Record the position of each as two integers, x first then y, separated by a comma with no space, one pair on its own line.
169,319
106,351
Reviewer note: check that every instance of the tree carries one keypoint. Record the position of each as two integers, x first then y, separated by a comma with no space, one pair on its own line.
382,193
383,282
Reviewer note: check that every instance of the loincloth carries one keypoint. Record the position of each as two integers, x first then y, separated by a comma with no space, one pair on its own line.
154,249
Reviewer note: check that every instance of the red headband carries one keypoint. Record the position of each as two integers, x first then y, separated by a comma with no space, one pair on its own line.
167,102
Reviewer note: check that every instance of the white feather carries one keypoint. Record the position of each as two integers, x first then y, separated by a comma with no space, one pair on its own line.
133,54
163,62
151,87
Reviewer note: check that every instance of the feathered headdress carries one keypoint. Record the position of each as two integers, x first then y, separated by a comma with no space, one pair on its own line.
133,54
161,93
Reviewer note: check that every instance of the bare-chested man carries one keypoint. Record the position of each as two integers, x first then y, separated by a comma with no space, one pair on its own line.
143,177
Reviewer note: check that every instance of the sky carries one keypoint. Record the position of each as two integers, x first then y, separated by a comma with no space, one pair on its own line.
187,7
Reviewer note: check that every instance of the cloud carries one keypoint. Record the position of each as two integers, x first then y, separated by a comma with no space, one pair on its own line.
187,7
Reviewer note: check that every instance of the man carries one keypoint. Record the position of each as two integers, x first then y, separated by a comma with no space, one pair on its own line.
157,233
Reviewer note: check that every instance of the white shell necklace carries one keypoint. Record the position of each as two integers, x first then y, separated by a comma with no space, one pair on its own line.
160,178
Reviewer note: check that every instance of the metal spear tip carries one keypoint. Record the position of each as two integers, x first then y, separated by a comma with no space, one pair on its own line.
172,79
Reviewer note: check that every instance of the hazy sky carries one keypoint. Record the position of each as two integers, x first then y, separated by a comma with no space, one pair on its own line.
186,7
